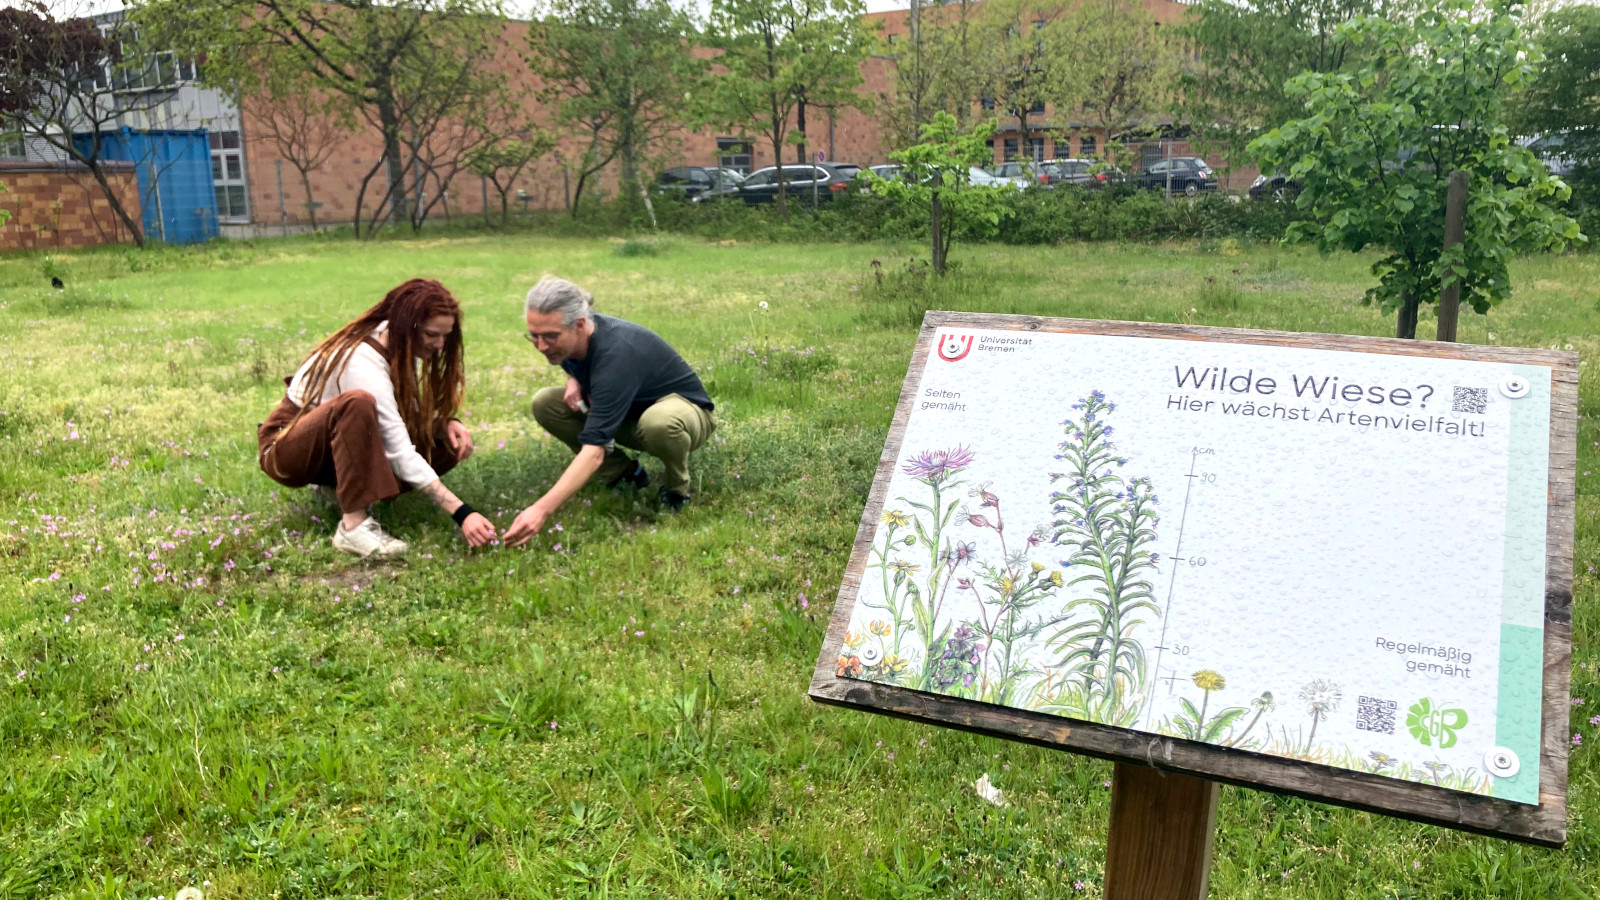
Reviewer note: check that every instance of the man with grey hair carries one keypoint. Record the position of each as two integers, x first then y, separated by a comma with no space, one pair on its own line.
625,386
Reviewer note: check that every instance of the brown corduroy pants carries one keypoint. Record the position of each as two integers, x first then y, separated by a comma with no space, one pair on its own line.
337,444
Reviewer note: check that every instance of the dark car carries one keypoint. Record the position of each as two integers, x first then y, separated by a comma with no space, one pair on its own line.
1188,175
801,183
1278,188
1085,173
696,183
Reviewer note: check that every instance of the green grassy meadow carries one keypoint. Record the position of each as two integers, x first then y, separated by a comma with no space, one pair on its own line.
195,689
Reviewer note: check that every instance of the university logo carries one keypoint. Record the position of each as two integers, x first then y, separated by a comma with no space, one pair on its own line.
1432,726
955,347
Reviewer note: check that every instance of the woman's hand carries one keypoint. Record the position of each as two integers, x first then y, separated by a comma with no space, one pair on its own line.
460,441
477,530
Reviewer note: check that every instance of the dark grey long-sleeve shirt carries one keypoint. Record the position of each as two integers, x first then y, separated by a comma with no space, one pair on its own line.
627,369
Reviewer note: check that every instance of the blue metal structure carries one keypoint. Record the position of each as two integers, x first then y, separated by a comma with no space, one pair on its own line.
176,190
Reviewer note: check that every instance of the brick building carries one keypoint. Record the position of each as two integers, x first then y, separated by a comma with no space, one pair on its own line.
259,191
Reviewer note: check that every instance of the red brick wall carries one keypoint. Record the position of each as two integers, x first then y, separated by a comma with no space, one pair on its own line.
63,206
857,138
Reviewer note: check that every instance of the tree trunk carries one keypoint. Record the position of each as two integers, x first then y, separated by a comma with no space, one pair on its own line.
783,195
1405,325
505,207
311,206
800,155
936,227
630,172
116,202
389,121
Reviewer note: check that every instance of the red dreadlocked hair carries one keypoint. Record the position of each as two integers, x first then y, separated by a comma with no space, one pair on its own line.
427,398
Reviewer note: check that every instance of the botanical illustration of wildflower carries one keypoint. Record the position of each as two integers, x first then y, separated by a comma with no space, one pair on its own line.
1321,697
1262,705
1380,761
1192,723
1106,523
1005,594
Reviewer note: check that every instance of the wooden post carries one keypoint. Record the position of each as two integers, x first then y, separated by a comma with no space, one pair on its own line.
1455,231
1162,824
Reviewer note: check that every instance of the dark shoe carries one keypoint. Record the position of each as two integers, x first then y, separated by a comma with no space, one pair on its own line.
638,479
672,501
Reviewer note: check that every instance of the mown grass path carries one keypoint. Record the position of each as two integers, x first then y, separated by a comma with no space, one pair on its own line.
194,687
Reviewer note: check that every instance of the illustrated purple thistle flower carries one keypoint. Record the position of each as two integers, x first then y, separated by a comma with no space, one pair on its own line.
934,466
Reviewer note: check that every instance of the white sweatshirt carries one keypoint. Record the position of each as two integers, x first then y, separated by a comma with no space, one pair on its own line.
367,370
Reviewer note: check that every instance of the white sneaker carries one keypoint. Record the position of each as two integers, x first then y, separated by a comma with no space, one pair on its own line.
325,494
367,539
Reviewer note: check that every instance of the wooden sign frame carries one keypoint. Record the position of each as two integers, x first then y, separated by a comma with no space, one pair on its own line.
1544,824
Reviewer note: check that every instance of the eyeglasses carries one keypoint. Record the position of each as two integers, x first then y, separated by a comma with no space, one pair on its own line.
549,337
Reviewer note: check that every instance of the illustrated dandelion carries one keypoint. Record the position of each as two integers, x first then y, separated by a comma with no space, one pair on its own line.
1262,705
1207,680
896,518
1320,697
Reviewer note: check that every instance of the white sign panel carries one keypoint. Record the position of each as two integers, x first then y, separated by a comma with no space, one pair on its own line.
1323,555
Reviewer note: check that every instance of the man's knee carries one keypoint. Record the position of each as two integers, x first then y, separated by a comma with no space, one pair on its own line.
663,426
550,407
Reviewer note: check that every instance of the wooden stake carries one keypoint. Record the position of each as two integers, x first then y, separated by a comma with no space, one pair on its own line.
1161,829
1455,231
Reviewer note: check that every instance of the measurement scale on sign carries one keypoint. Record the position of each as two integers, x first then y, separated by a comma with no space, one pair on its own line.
1195,477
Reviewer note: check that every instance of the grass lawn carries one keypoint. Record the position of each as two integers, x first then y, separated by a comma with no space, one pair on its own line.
194,687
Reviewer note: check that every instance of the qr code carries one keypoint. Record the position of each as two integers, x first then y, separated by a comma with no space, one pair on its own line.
1470,400
1373,714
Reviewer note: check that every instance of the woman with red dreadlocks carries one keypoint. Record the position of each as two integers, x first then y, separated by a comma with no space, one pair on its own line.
372,410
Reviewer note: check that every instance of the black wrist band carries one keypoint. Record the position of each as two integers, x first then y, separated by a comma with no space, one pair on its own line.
461,513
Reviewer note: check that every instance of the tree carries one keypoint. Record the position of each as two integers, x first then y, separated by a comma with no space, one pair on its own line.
61,82
620,70
1121,66
1023,39
1247,51
777,55
304,125
940,66
1376,147
935,175
502,160
393,62
1563,103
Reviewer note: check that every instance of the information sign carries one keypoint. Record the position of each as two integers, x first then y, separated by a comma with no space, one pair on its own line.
1338,567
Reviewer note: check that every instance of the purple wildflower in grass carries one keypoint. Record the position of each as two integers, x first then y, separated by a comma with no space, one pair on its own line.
1577,739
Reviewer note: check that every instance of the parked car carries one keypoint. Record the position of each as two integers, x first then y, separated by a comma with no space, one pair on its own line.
975,175
1085,173
801,182
1551,150
696,183
1279,188
1189,175
1021,172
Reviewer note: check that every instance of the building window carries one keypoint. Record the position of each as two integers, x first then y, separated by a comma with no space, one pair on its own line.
227,176
734,153
893,39
1011,149
1086,146
163,69
987,102
1036,148
13,147
1037,109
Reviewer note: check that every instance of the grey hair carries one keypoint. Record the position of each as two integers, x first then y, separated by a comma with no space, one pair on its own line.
554,294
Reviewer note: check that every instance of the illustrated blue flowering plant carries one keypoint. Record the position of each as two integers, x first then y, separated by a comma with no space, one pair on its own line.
1105,523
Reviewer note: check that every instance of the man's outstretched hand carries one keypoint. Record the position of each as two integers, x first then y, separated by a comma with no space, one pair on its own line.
477,529
526,525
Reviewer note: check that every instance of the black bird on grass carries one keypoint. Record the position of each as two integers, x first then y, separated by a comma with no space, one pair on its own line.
56,283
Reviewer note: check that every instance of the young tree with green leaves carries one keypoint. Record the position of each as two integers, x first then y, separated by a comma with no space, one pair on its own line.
940,65
1024,59
503,158
620,71
935,175
1119,66
1375,149
777,57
